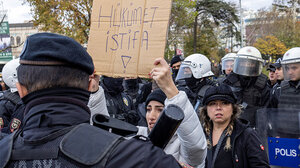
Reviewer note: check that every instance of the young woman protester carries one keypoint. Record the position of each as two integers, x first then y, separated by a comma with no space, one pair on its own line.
188,145
231,142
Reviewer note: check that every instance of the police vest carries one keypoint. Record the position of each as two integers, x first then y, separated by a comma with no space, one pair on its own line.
200,96
118,105
80,146
252,96
289,96
8,95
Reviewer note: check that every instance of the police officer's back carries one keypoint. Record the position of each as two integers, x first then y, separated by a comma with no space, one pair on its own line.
53,81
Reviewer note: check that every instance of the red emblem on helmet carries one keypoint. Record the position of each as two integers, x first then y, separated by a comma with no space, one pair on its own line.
249,50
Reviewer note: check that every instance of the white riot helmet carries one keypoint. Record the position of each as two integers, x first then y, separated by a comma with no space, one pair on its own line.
9,74
196,65
248,62
291,64
227,61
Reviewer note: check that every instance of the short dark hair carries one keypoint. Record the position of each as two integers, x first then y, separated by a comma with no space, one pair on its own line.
35,78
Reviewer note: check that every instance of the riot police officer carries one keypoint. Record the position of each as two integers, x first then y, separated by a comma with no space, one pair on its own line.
194,70
227,66
53,82
119,104
248,83
290,87
10,101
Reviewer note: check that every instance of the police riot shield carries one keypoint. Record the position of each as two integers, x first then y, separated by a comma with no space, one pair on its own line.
279,129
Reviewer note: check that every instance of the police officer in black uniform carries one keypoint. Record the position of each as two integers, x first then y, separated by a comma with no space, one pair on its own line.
175,65
283,112
275,90
10,101
131,88
289,94
53,84
248,83
227,66
272,76
195,70
119,104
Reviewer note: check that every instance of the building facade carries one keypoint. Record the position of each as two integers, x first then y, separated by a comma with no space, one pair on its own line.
18,34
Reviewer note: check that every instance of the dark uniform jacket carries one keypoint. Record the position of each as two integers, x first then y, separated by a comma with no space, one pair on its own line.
120,106
289,94
54,136
197,94
274,95
285,95
247,149
10,118
251,92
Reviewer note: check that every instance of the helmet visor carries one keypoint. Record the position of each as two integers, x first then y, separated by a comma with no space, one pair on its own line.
227,64
247,67
184,71
291,72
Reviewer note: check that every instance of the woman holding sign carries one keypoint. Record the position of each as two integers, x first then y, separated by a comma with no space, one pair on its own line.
188,145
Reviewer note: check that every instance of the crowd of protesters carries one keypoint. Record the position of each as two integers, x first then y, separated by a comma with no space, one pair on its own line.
53,94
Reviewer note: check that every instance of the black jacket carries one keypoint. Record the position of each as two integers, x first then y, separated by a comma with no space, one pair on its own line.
120,106
197,94
10,117
51,115
247,149
251,92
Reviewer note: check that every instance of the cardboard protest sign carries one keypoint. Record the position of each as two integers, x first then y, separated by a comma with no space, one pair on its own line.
127,35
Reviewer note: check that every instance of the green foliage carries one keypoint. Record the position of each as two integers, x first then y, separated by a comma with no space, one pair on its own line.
181,18
207,43
288,33
280,21
211,15
270,46
218,11
68,17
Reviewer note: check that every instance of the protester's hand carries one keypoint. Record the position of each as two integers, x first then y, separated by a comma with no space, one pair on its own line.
163,77
94,83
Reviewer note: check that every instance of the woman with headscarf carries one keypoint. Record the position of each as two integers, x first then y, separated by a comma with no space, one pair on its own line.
188,145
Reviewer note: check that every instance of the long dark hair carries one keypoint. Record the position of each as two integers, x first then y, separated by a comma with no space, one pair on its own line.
208,124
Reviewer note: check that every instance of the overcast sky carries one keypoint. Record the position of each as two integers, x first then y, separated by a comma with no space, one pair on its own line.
18,13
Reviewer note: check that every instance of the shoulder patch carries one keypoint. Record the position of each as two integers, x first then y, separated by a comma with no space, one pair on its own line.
1,123
14,125
125,101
